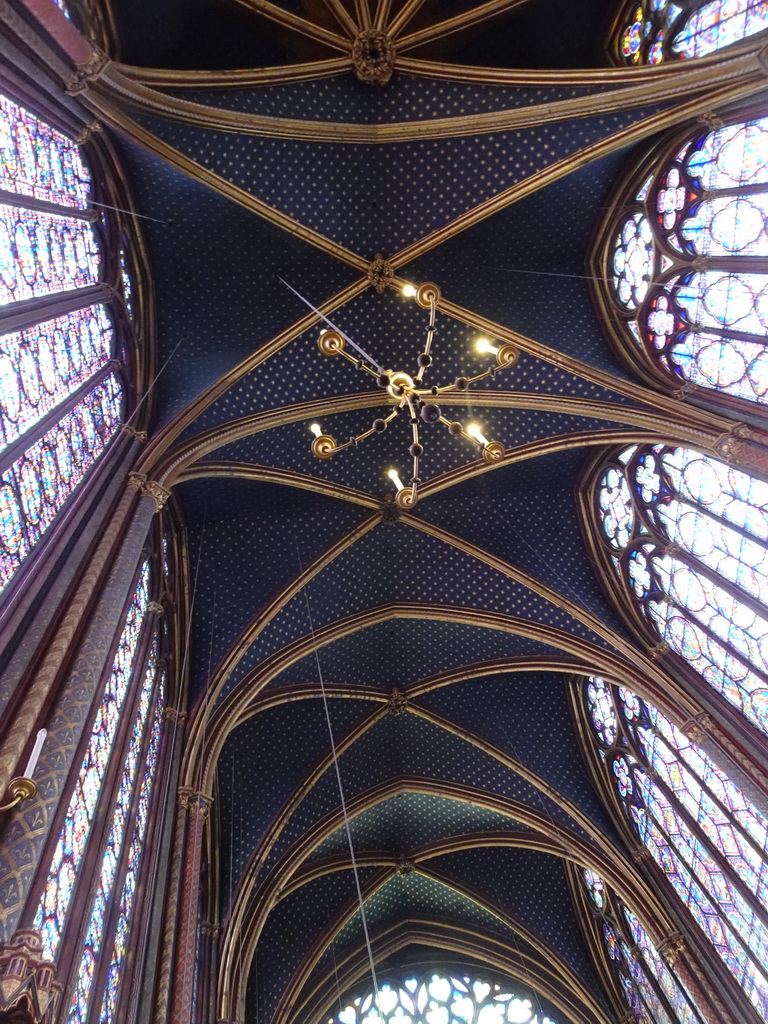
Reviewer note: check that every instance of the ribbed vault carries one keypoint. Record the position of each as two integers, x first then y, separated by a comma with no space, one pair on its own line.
446,641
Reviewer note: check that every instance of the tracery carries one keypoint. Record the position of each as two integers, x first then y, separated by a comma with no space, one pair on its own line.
61,396
701,830
680,279
688,539
652,31
653,992
422,1000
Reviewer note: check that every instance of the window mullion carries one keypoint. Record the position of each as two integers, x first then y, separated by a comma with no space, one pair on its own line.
733,589
153,730
30,203
698,833
28,312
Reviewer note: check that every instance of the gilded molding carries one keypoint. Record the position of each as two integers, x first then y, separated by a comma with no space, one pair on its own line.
86,133
149,489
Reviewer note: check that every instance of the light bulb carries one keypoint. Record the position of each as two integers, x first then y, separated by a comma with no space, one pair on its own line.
483,345
409,291
324,331
316,429
394,476
474,431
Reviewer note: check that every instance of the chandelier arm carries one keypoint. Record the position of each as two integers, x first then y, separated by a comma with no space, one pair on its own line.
430,336
358,362
415,435
332,325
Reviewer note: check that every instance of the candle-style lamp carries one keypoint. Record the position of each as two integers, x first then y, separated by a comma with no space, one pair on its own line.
23,787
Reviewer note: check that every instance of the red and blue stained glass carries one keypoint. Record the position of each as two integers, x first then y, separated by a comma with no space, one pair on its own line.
67,858
652,991
708,327
102,900
707,837
35,487
38,161
42,365
131,879
42,253
696,558
658,30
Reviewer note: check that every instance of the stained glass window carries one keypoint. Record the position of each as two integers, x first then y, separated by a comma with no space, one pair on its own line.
60,361
67,858
688,536
44,364
130,882
705,835
111,857
443,997
680,263
652,31
33,489
653,992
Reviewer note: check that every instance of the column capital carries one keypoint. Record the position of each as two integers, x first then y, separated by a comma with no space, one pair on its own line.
671,948
198,804
149,489
87,71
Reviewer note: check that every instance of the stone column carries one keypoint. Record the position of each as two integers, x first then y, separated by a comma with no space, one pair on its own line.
27,829
186,944
711,1008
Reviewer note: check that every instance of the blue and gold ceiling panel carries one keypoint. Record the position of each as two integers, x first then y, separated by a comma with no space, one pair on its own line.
344,99
528,715
223,304
292,927
366,658
526,514
407,745
280,746
408,821
532,888
383,198
243,551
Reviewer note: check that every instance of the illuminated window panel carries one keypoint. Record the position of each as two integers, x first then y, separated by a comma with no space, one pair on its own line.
653,31
67,859
41,365
692,549
705,835
441,998
42,253
121,812
38,161
707,200
36,486
130,882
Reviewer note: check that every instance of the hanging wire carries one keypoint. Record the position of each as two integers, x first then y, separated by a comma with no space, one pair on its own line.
131,213
342,798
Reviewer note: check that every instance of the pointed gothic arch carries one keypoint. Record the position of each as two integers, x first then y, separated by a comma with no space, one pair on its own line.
680,264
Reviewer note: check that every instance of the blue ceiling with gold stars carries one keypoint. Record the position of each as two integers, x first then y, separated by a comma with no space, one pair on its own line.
435,651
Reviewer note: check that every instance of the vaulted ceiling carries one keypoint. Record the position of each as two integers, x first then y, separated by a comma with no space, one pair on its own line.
468,797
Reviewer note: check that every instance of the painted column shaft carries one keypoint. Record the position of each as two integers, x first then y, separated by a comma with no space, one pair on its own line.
186,944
